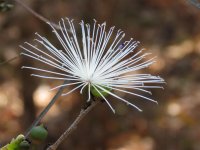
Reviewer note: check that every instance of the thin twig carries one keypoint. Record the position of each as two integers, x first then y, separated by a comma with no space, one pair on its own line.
195,3
46,109
42,18
12,59
73,126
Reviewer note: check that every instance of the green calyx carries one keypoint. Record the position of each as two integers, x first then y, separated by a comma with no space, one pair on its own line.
38,133
96,91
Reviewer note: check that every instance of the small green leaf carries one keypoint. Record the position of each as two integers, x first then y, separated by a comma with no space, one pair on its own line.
14,144
5,6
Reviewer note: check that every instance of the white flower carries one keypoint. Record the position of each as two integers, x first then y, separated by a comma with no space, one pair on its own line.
99,62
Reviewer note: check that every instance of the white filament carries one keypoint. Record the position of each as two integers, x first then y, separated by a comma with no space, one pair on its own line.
100,60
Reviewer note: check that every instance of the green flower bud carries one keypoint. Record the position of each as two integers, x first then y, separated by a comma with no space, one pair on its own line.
39,133
24,145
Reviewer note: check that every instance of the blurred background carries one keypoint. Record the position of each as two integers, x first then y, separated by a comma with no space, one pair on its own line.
169,29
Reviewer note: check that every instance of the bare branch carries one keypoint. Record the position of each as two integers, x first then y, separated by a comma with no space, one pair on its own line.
73,126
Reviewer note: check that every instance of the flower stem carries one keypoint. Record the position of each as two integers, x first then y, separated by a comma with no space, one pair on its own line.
73,126
46,109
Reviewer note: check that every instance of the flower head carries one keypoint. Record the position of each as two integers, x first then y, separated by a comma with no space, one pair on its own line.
99,62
